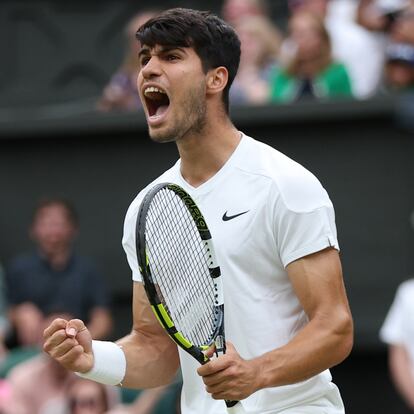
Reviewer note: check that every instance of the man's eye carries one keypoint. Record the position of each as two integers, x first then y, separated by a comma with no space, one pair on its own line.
143,61
172,57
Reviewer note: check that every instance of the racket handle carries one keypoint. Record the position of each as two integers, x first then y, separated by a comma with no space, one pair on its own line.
236,408
220,344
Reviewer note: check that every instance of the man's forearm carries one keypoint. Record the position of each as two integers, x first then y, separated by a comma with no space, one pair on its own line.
317,347
151,362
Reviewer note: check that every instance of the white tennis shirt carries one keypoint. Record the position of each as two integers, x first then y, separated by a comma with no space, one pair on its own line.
398,327
264,211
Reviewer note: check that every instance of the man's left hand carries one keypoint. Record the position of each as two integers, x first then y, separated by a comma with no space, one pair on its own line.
230,377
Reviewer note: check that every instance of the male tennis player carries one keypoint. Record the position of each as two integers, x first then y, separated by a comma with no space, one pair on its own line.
287,315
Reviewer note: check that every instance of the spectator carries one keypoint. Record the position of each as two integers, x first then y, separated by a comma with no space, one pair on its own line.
398,333
88,397
55,277
399,69
235,10
37,385
379,15
402,28
352,45
260,43
121,92
56,390
373,17
312,72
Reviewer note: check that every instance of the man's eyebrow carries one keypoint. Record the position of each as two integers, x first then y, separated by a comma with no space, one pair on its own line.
165,49
144,51
162,49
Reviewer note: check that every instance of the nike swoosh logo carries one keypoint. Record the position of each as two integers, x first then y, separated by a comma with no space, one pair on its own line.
227,218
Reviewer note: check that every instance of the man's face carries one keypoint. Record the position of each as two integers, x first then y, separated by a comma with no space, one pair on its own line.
172,87
304,33
399,75
86,397
318,7
52,229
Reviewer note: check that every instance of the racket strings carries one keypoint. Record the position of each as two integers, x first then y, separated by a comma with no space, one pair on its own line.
178,261
188,304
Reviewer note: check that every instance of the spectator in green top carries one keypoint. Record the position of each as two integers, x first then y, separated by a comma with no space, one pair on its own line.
308,68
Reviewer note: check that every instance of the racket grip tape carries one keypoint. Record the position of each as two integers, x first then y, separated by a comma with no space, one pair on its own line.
236,408
230,404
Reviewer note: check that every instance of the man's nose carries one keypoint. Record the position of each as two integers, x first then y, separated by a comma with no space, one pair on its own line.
152,68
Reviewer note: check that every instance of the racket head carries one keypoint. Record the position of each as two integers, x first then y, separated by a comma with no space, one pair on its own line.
180,273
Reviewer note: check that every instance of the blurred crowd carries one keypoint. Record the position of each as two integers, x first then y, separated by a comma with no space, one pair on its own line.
53,280
327,49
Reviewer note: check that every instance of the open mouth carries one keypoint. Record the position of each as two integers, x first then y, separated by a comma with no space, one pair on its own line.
157,101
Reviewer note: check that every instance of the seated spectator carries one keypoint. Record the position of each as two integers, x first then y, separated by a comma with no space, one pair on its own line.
89,397
42,386
311,72
38,385
121,92
399,69
398,333
235,10
54,276
260,43
355,47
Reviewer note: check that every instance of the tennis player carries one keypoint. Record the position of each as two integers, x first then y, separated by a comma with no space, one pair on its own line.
287,315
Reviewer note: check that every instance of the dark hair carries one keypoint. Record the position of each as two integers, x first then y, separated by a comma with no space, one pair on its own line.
69,208
215,41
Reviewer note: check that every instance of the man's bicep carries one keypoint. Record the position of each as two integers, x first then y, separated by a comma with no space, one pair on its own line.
318,283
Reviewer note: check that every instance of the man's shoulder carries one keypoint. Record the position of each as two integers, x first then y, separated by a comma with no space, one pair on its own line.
23,261
299,188
26,370
266,159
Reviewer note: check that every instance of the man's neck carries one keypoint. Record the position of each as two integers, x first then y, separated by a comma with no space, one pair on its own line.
204,154
58,260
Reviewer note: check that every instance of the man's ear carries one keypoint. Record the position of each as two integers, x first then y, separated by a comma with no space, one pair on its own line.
217,79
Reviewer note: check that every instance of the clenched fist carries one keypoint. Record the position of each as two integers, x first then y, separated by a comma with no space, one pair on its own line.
70,344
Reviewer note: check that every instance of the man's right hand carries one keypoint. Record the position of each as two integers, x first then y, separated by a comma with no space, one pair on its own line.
70,344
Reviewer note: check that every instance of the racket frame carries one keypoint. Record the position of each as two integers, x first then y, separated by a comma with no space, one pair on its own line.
160,311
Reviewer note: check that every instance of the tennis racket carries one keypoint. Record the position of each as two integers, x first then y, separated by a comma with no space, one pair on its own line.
180,272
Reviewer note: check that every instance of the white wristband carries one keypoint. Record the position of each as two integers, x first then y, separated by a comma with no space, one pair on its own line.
109,363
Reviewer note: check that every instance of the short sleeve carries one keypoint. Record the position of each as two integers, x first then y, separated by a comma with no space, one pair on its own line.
304,220
393,328
128,239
